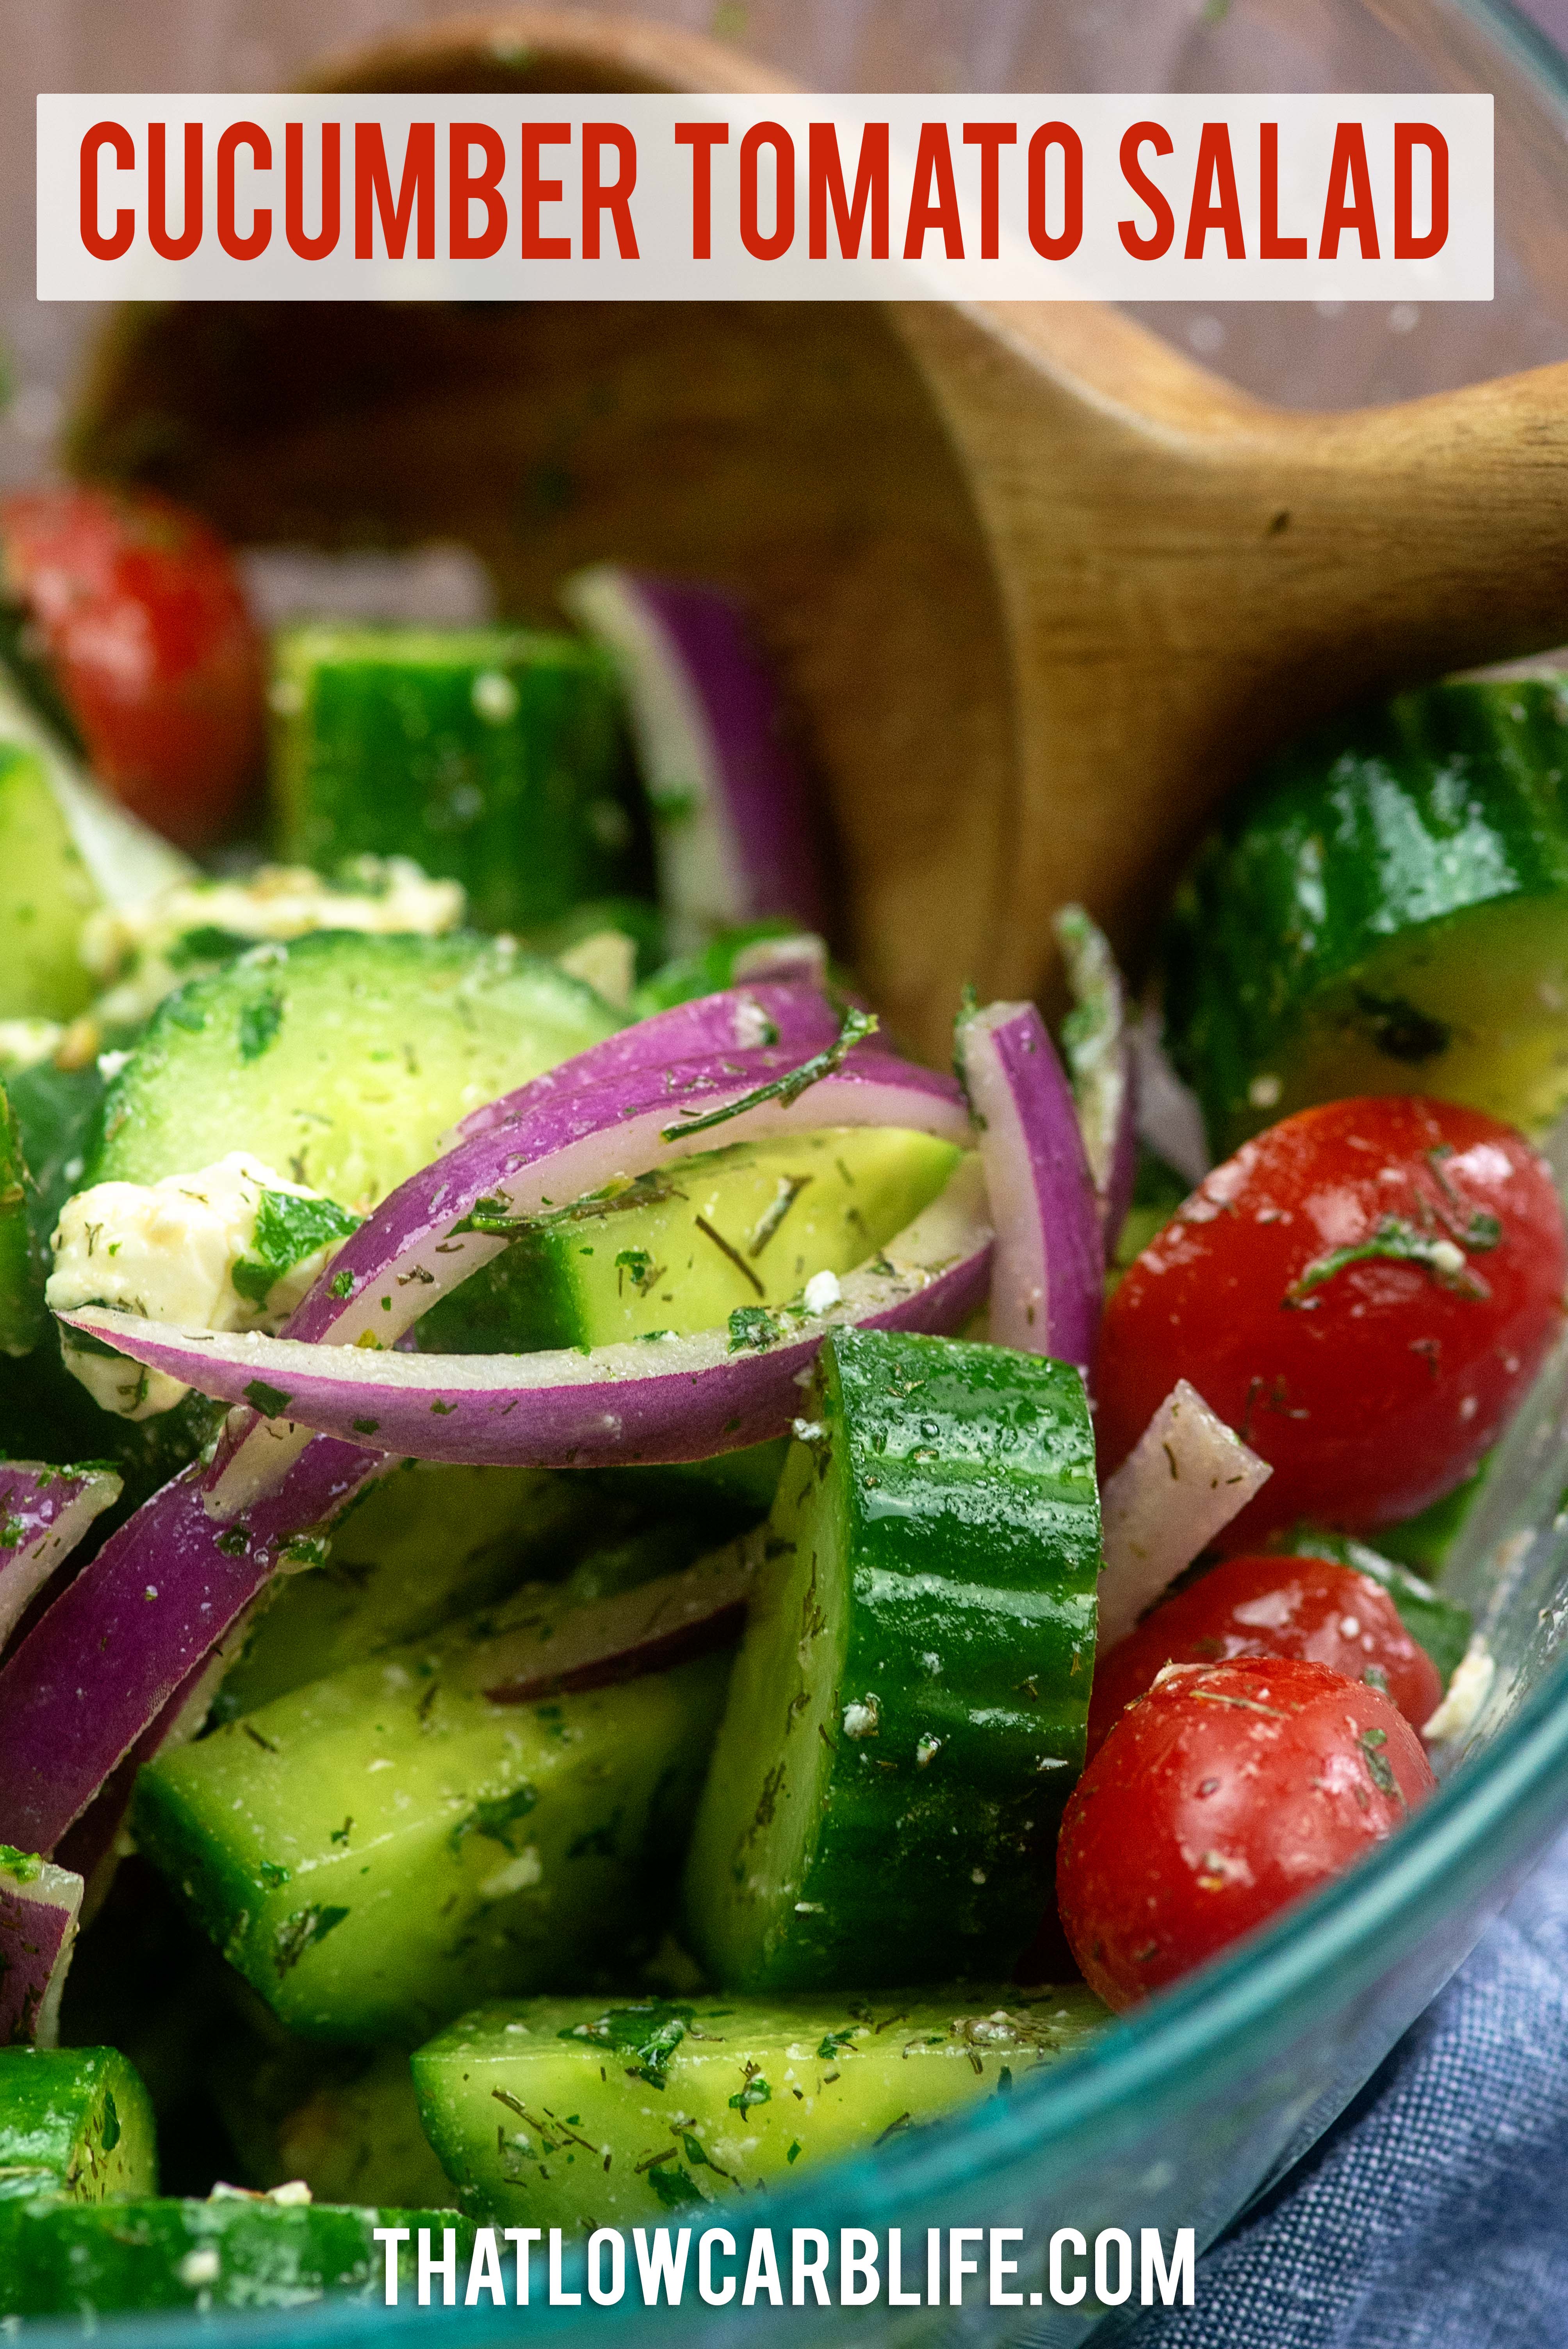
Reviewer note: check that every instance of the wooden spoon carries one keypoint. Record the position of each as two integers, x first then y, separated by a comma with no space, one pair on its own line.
1043,589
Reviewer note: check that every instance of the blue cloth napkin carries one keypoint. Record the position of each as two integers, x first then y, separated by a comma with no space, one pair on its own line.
1434,2214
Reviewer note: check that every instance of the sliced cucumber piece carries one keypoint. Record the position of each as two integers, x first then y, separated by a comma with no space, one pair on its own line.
238,2250
74,2122
494,756
46,895
1440,1625
1386,912
682,1248
64,850
344,2121
375,1850
908,1708
580,2113
429,1544
341,1060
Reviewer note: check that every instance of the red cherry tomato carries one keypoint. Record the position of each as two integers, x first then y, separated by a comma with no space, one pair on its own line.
1363,1293
1271,1606
151,647
1227,1791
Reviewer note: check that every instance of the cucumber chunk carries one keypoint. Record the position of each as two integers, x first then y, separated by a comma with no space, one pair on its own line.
429,1544
234,2251
426,1544
340,1060
377,1849
1388,913
64,850
1440,1625
682,1248
74,2121
494,756
576,2113
907,1712
344,2121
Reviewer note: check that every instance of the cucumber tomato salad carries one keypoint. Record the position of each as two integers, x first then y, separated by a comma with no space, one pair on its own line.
610,1586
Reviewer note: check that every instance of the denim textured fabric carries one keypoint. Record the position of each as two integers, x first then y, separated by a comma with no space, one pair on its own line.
1434,2214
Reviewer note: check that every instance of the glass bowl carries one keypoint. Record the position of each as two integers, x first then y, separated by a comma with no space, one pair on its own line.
1184,2111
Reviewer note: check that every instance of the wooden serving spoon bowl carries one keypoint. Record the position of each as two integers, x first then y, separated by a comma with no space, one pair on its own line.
1042,588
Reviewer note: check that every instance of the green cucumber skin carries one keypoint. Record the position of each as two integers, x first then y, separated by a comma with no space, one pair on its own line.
75,2122
46,895
1440,1625
771,2086
565,1281
942,1462
22,1269
339,1060
386,753
344,1845
56,2260
1396,824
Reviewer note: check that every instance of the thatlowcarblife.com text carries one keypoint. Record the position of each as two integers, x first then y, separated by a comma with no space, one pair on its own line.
855,2267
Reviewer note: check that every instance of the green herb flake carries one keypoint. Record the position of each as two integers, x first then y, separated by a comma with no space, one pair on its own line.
301,1931
259,1025
1378,1766
11,1533
112,2131
233,1543
287,1230
648,2034
674,2186
857,1026
1399,1241
499,1820
364,1426
751,1326
22,1867
753,2090
341,1285
834,2041
794,2153
270,1401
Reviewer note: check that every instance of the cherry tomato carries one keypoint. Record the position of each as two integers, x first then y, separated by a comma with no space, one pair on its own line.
1363,1293
1271,1606
148,640
1224,1794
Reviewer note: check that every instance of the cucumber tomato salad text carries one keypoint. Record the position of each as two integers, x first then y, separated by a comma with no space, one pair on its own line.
609,1586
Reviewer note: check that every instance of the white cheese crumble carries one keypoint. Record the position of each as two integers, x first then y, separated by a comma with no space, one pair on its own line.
25,1042
861,1720
607,960
1466,1693
821,1292
135,951
517,1876
169,1250
200,2267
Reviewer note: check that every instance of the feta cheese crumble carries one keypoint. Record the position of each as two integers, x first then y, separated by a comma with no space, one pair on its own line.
1466,1693
169,1250
141,952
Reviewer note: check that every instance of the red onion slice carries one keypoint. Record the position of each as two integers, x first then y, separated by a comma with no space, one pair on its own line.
103,1662
647,1629
570,1144
44,1513
1100,1055
732,821
39,1906
1048,1276
1187,1475
662,1399
781,1004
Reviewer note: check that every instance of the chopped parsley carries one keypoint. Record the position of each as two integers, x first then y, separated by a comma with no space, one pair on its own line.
288,1229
